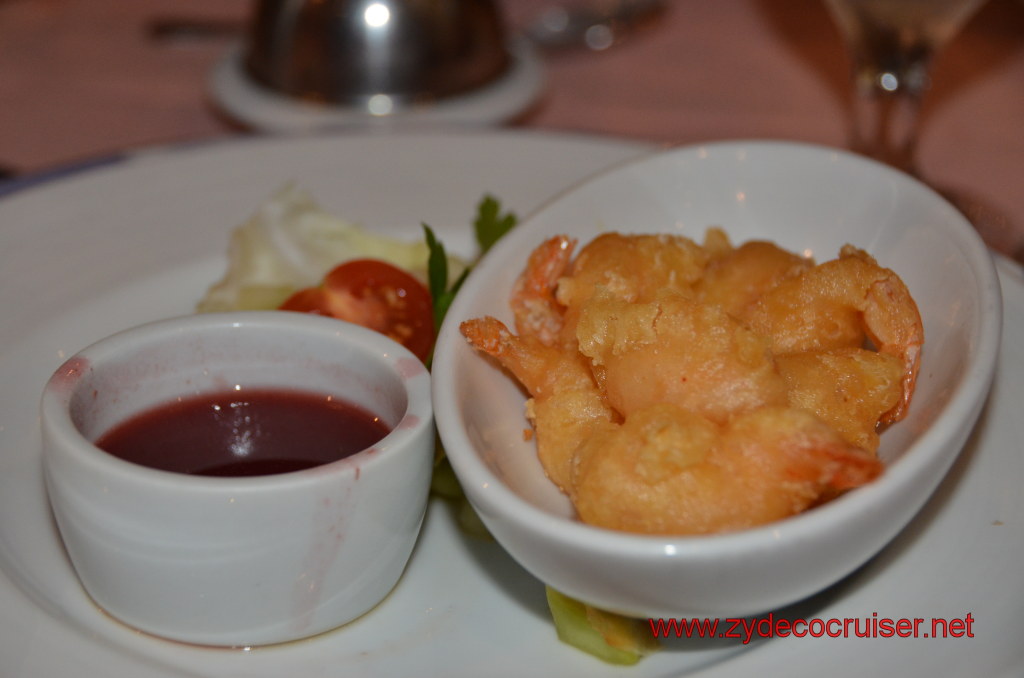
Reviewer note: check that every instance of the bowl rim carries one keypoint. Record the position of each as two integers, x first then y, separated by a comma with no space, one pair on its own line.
403,365
489,493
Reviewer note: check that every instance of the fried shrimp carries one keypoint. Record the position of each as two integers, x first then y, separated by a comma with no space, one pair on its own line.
667,470
674,349
633,268
678,388
848,388
564,401
839,303
736,279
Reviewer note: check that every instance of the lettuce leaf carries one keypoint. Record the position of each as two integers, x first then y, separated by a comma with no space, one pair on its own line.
290,243
608,636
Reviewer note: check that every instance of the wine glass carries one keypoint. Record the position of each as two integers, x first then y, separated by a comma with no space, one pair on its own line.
892,44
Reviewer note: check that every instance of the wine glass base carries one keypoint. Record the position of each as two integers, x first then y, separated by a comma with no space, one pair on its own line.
993,225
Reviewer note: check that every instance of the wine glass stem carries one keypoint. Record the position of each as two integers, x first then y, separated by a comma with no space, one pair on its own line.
886,111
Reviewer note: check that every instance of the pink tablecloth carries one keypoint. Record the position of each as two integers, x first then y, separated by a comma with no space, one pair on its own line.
82,78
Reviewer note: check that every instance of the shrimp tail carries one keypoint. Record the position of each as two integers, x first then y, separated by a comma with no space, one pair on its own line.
536,311
899,333
852,467
527,360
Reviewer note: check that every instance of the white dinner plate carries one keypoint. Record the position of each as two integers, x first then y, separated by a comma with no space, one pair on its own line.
96,251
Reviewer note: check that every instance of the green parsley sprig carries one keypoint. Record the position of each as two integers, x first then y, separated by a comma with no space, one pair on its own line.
489,226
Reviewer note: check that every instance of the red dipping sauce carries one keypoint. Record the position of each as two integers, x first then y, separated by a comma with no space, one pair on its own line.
244,433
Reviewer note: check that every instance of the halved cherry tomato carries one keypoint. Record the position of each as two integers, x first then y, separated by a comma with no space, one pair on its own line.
376,295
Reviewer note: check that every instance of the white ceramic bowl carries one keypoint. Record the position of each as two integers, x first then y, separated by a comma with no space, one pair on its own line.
238,561
804,198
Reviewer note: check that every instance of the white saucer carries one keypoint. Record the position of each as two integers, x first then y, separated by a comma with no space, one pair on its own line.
267,111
